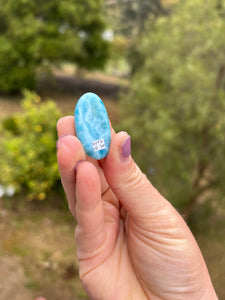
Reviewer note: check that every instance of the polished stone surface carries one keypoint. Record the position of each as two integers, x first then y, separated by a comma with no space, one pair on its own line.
92,125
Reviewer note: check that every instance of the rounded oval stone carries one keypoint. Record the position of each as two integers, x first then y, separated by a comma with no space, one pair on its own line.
92,125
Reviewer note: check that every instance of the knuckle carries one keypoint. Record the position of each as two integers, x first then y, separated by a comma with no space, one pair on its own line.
136,179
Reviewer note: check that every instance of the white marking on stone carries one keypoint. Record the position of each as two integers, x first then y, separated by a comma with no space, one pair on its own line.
98,145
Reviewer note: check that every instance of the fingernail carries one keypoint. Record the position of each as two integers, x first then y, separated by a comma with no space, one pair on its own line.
57,143
126,148
58,123
76,166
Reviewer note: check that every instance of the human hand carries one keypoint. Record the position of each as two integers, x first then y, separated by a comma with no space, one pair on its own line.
131,242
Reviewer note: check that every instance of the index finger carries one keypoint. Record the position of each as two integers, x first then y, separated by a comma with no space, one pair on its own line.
65,125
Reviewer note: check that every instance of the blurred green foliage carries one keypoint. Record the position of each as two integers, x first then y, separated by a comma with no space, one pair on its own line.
35,34
27,148
176,105
128,18
119,47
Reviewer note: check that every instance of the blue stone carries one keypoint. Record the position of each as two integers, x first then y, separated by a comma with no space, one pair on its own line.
92,125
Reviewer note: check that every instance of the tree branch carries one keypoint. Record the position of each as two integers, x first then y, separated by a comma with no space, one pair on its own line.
220,76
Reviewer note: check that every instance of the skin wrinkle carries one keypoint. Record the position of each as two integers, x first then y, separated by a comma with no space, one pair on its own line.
100,250
86,234
93,255
165,241
123,216
141,285
154,243
133,180
109,197
98,253
89,235
143,184
102,261
167,295
154,296
170,231
131,260
162,205
108,188
145,240
104,183
165,255
130,296
187,294
87,209
122,245
114,214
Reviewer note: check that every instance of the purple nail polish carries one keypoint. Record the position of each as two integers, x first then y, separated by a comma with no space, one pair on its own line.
76,166
126,147
57,143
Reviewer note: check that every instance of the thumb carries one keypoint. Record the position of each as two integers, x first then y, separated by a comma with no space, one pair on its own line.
129,184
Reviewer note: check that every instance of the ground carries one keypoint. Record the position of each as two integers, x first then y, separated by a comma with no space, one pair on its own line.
38,253
37,247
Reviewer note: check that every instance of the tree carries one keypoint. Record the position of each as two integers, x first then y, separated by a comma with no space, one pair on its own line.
131,15
34,34
176,105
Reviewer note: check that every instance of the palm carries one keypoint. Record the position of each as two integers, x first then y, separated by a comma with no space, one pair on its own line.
126,263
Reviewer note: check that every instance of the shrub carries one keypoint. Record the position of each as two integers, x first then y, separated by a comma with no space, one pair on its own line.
27,148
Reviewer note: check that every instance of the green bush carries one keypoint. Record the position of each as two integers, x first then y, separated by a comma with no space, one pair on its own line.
27,148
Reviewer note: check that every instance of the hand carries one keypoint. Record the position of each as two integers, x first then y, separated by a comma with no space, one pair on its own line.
131,242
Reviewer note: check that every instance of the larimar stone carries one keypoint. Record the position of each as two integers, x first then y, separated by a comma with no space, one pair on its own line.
92,125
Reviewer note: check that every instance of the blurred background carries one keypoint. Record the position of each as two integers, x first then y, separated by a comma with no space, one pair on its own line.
159,67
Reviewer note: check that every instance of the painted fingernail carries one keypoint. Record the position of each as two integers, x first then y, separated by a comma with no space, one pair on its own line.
76,166
126,148
57,143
